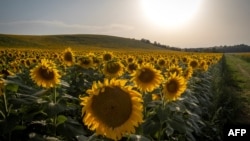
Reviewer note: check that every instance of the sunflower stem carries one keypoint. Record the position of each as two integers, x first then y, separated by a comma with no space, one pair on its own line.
55,117
5,103
55,100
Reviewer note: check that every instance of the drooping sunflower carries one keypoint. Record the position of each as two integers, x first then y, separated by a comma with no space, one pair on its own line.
113,69
174,87
112,109
147,78
45,74
68,57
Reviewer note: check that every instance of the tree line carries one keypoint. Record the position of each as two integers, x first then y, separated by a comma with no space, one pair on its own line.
215,49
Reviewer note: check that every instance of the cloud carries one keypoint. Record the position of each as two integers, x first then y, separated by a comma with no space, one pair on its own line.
59,27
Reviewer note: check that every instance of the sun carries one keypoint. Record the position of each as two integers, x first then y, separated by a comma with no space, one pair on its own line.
170,13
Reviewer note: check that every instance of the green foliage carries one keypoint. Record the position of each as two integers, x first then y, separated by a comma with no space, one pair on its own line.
74,41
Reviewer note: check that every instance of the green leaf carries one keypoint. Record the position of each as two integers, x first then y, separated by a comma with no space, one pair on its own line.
12,87
60,119
81,138
162,114
134,137
52,109
151,126
71,128
19,127
179,126
169,130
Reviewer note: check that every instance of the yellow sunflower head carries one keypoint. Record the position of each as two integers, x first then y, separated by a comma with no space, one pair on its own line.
185,59
45,74
28,62
131,67
140,61
194,64
188,72
107,56
161,62
156,97
33,60
130,59
174,87
203,65
22,62
174,69
68,57
147,78
97,61
85,62
112,109
113,69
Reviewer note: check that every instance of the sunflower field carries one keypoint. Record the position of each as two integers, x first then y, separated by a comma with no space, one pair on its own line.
244,56
78,95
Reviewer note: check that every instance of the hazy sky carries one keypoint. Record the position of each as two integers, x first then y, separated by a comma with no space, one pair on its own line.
216,22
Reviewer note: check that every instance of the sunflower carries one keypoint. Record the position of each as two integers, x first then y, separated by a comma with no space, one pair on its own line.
203,65
5,73
68,57
185,59
194,64
139,61
161,62
174,69
113,69
188,72
27,62
147,78
174,87
96,61
107,56
112,109
131,67
86,62
156,97
45,74
22,62
130,59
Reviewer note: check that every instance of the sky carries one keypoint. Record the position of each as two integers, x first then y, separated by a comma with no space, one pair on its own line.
214,22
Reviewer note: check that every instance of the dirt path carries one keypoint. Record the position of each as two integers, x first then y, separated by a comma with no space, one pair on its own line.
241,70
245,111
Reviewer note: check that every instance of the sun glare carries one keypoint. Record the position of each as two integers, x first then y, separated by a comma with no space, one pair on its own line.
170,13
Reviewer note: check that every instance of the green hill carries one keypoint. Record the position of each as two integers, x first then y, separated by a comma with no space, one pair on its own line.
81,40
